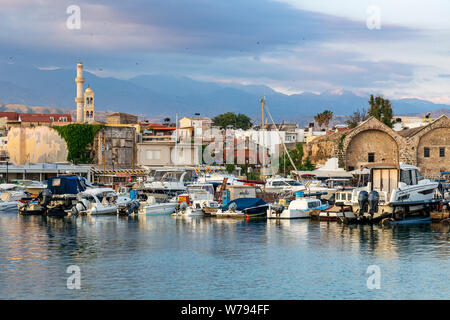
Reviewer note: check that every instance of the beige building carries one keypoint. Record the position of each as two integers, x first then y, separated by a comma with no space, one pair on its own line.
121,118
157,151
196,127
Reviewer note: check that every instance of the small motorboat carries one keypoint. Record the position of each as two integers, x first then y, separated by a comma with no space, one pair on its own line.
56,200
151,207
198,197
296,209
96,201
8,202
243,208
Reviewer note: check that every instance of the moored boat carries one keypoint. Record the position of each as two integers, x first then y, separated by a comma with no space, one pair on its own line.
243,208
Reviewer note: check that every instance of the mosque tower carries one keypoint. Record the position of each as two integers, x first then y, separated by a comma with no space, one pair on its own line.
89,113
79,80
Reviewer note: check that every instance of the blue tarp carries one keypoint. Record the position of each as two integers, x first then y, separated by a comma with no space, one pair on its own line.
65,185
244,203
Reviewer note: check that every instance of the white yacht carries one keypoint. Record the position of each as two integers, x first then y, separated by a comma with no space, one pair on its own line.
283,185
151,207
217,178
392,189
166,184
96,201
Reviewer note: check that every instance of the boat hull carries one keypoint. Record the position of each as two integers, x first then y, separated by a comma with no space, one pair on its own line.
157,209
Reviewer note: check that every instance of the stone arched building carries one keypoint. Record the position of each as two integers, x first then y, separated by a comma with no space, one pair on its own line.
427,147
371,141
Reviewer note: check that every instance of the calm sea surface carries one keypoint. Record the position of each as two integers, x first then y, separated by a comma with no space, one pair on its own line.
161,257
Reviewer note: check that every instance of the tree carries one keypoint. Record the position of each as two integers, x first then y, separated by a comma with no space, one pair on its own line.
230,167
323,118
356,118
327,115
239,121
297,157
381,109
318,118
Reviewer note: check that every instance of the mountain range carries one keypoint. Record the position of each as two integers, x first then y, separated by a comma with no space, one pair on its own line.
158,96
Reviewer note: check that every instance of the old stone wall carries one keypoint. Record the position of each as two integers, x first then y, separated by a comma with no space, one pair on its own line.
119,145
36,145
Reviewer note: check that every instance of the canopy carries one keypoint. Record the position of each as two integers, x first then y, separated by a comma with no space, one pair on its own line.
65,185
244,203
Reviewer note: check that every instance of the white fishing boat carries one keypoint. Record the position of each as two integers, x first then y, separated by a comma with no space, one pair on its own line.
197,197
393,190
10,195
301,207
97,201
151,207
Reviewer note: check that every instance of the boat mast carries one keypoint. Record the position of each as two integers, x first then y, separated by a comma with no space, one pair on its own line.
262,129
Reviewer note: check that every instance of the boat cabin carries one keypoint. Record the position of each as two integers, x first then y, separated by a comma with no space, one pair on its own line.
305,204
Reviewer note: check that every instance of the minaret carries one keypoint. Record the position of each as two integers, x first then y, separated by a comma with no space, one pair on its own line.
79,80
89,112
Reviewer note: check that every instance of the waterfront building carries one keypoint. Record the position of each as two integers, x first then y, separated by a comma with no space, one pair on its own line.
426,147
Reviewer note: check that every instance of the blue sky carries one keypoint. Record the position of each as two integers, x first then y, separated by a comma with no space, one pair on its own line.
290,45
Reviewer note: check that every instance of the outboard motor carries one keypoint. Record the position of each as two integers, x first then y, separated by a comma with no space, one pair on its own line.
45,197
373,200
133,206
363,201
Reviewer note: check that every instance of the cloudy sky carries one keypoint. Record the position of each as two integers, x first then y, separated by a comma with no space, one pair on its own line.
290,45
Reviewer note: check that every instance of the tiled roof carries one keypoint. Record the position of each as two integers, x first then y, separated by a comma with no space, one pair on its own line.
157,126
9,115
409,132
44,117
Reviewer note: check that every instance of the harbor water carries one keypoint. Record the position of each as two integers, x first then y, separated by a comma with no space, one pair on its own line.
162,257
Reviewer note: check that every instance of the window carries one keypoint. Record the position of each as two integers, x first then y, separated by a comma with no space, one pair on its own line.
426,152
371,157
153,155
405,176
442,152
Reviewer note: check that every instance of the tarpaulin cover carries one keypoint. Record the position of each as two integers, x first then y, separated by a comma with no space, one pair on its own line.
65,185
244,203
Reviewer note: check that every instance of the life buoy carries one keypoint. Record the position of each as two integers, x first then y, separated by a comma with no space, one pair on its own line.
129,179
197,171
208,170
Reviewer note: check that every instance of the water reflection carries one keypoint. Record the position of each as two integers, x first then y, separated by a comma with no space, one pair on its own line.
163,257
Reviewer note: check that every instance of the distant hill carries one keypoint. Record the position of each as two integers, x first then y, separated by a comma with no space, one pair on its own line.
159,96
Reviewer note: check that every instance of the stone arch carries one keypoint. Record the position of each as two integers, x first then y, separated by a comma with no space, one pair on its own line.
371,136
434,136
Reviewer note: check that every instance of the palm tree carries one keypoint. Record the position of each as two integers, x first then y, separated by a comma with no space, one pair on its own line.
319,119
327,116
